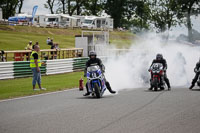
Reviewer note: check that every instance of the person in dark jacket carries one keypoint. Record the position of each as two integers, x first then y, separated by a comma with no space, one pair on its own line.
160,59
196,70
93,61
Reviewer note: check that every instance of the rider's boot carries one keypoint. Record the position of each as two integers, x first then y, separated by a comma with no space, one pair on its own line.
162,88
109,88
87,93
151,88
168,84
191,86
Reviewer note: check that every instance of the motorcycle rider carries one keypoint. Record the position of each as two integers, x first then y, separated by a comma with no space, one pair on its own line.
92,62
196,70
160,59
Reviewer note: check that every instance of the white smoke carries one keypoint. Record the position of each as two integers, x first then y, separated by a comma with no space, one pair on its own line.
129,70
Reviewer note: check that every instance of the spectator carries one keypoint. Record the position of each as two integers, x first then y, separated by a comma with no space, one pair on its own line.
37,43
2,58
53,52
48,40
28,47
35,65
51,42
57,46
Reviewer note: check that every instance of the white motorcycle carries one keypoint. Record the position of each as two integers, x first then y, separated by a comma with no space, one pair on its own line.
96,81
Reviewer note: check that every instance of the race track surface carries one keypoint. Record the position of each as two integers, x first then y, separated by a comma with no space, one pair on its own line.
130,111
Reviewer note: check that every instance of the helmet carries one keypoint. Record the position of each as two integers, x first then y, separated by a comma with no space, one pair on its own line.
92,53
159,57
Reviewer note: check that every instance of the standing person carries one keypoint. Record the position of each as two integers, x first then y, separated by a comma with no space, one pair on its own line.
28,47
96,61
37,43
48,40
196,70
57,49
2,58
160,59
35,65
51,42
57,46
52,52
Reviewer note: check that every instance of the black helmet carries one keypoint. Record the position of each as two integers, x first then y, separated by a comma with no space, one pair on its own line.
92,53
159,57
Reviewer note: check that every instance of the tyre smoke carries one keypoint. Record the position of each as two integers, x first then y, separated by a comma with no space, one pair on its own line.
129,69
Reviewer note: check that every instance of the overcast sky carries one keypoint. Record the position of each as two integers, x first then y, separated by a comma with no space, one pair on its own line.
29,4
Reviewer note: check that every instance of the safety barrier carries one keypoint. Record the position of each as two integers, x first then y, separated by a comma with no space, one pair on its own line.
65,65
6,70
22,69
45,54
9,70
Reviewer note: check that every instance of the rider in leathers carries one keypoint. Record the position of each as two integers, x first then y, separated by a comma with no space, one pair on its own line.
92,62
196,70
160,59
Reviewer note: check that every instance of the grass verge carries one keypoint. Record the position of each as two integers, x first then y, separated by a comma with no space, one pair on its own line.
23,86
17,37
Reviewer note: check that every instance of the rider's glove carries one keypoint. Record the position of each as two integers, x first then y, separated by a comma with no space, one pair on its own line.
149,69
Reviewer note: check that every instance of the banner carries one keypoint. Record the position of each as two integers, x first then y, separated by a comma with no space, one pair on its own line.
34,12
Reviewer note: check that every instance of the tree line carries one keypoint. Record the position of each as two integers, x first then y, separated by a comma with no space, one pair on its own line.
140,14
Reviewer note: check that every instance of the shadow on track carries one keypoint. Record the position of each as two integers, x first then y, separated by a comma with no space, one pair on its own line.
91,97
195,90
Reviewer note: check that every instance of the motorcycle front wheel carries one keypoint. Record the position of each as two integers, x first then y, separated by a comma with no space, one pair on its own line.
97,90
155,84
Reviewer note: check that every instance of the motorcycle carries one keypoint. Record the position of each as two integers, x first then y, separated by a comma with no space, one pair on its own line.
95,81
157,76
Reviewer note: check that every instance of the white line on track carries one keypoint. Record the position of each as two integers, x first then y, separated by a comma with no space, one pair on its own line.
49,93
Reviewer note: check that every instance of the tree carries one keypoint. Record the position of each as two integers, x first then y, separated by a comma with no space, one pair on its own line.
70,6
116,9
93,6
20,4
50,5
63,4
137,14
8,7
189,8
165,14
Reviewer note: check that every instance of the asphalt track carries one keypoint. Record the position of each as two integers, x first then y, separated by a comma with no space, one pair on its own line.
130,111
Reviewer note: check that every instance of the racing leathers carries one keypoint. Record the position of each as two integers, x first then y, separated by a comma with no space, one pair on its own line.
196,70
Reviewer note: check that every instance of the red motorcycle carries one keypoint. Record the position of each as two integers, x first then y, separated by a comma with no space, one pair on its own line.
157,77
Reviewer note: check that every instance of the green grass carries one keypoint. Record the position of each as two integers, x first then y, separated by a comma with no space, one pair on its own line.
17,37
23,86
